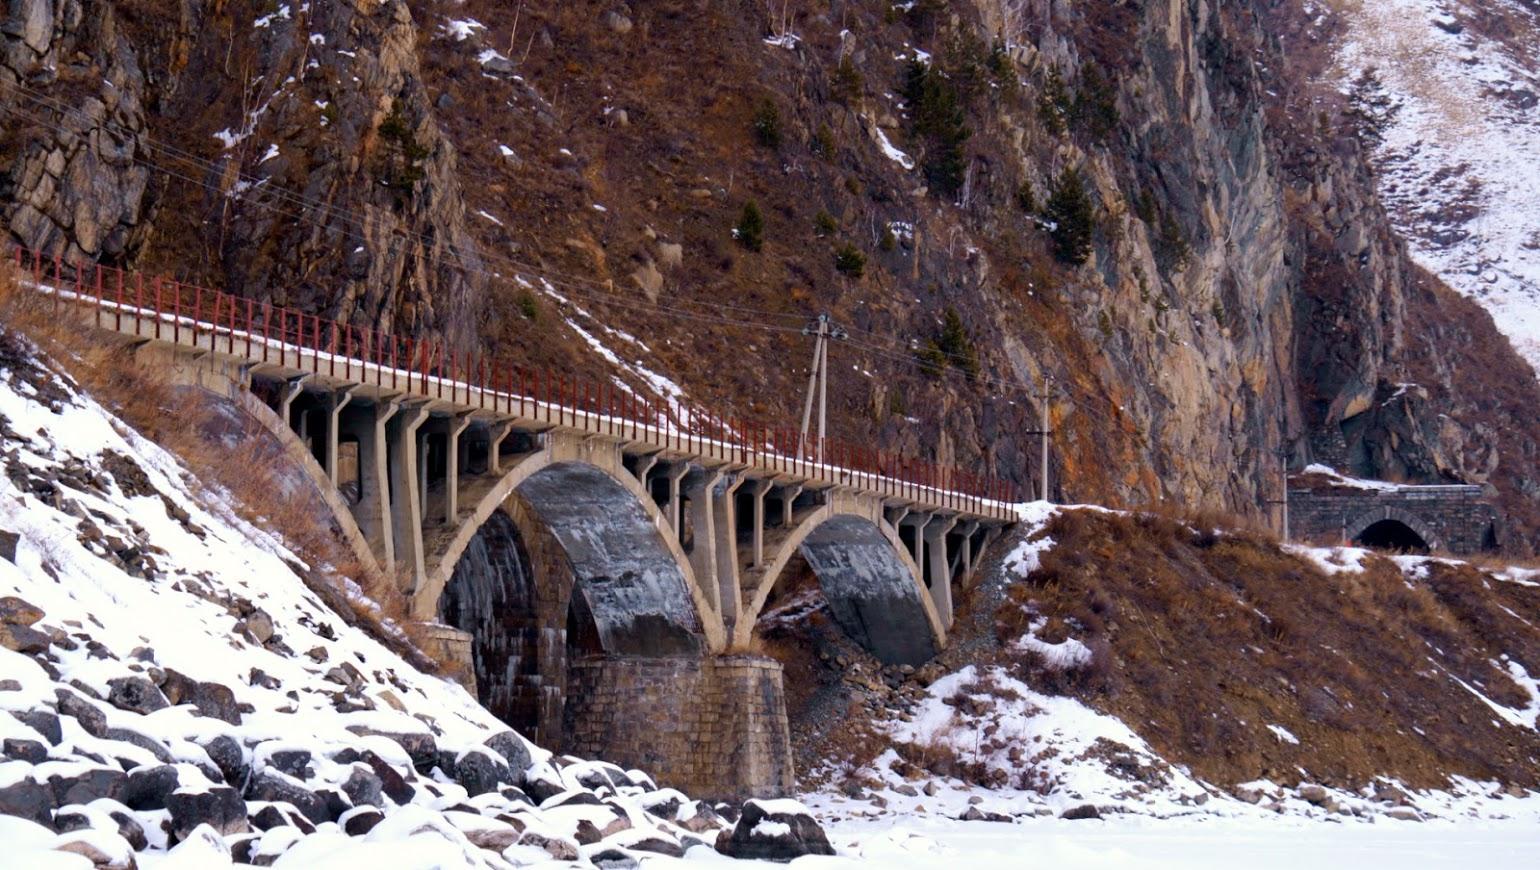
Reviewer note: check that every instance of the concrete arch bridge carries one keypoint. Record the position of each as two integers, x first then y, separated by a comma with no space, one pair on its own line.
599,558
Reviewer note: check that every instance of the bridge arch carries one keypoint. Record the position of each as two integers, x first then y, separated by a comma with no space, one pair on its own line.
1382,521
634,576
875,590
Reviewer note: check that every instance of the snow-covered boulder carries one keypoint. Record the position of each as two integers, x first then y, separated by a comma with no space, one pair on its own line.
774,830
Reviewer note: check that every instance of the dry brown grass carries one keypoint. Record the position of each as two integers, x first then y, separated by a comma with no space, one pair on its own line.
243,466
1207,639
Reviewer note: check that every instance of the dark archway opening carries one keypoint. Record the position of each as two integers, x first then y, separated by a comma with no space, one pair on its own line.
571,568
1392,535
491,595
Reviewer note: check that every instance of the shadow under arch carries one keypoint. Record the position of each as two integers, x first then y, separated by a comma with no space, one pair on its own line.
874,590
566,563
1391,528
616,538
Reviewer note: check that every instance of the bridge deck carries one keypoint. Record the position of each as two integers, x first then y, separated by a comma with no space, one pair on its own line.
381,367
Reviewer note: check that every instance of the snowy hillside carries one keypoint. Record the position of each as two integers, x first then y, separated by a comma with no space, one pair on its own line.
178,698
1460,163
980,750
171,683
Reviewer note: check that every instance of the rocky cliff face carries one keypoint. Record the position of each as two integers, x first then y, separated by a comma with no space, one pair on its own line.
73,131
548,181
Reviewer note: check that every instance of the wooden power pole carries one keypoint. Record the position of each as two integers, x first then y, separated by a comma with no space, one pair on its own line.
822,328
1043,435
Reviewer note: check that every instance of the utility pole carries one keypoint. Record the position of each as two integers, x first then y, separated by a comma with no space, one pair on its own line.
1043,433
822,328
1282,454
1283,476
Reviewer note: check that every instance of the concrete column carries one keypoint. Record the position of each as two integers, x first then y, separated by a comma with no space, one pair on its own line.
406,482
758,489
920,521
291,390
701,488
424,456
940,567
724,517
373,513
338,401
303,431
457,426
969,529
675,474
497,433
789,494
644,466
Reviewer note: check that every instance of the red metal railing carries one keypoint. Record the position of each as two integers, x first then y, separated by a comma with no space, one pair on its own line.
164,309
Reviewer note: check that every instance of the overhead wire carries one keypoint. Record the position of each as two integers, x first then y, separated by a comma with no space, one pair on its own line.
314,212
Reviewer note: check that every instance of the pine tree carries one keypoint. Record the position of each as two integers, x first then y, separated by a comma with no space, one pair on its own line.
1054,103
1095,110
940,121
848,260
1371,108
1074,219
751,227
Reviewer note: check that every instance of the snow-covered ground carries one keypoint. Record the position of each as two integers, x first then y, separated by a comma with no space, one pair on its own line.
141,575
1460,164
164,671
1053,755
1190,843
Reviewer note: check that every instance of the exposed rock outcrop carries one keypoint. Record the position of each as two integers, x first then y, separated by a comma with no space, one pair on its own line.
73,179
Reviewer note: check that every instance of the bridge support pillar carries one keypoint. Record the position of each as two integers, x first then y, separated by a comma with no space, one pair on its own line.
724,518
714,727
406,503
456,428
495,437
337,402
918,523
676,473
758,490
644,466
969,529
940,567
373,511
789,495
700,487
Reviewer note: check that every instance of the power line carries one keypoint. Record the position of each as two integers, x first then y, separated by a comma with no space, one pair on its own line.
594,292
329,209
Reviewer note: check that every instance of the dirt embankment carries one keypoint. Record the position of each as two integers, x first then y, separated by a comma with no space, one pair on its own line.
1214,646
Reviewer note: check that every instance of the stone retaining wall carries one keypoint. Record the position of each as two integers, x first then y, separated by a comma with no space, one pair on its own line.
710,727
1456,519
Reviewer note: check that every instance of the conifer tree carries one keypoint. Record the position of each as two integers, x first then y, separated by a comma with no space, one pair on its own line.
1074,219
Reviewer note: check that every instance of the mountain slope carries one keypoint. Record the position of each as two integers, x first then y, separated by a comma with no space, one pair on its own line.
168,681
1460,161
561,185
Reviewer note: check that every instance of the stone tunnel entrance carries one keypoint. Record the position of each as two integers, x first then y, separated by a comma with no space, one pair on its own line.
1392,535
